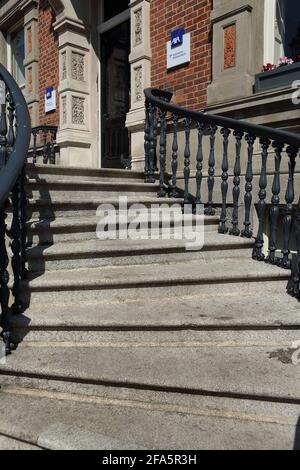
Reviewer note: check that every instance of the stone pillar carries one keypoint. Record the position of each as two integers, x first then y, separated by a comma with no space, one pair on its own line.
32,60
140,63
237,48
77,136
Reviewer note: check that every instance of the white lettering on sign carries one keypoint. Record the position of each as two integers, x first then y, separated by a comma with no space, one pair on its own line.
181,54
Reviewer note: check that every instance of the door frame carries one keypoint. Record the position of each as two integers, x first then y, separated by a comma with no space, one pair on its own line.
102,28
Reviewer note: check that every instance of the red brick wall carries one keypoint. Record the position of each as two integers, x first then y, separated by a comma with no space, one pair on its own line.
188,82
48,61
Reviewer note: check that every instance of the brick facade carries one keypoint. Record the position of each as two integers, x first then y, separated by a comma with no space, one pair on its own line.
48,61
188,82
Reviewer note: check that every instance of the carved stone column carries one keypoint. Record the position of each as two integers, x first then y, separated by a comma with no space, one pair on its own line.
140,62
77,136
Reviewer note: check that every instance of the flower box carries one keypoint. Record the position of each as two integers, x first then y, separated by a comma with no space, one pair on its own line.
283,76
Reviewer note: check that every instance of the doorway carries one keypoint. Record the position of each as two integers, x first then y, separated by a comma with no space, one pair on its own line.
115,94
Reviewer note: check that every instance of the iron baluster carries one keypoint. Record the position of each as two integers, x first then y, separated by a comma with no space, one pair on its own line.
211,171
224,185
247,232
259,242
162,153
199,167
174,192
288,216
45,151
187,155
147,143
52,147
274,211
236,185
152,113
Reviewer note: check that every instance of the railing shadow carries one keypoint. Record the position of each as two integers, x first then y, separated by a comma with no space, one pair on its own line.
37,242
297,436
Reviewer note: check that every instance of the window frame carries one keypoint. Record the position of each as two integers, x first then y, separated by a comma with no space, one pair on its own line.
10,65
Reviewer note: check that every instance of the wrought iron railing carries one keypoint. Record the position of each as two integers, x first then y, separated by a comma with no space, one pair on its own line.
14,143
163,118
44,144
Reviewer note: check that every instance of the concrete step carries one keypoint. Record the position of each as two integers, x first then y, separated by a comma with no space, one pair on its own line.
93,253
173,292
68,417
84,228
155,275
254,309
250,365
77,173
9,443
63,207
52,188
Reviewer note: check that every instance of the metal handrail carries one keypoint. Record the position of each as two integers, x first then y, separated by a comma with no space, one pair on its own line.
162,100
14,166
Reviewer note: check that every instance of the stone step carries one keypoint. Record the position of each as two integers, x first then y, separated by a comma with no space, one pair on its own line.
254,309
85,207
84,228
256,365
9,443
165,294
68,417
93,253
78,173
169,274
52,188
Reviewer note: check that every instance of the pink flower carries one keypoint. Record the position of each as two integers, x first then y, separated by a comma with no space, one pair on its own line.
285,61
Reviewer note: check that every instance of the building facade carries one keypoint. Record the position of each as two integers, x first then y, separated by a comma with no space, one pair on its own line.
83,66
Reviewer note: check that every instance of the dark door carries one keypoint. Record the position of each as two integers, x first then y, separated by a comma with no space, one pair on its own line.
115,89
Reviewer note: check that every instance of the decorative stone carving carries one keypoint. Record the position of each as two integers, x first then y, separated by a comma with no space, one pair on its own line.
78,115
138,79
77,66
64,110
138,20
230,46
64,66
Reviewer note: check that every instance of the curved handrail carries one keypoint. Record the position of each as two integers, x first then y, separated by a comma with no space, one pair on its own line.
13,168
162,100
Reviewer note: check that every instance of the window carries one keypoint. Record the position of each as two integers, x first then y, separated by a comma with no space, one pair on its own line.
17,43
282,30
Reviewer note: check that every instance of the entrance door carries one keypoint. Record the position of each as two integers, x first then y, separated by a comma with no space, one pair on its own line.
115,89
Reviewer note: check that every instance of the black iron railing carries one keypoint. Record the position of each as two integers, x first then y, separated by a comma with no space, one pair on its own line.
14,143
44,144
163,118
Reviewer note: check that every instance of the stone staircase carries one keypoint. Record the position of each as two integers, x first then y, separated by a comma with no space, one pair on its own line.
140,344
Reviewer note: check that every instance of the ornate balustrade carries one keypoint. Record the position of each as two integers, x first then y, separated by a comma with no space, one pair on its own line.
14,143
44,144
164,118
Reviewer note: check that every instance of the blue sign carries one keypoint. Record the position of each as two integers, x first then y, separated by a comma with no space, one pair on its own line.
177,38
49,92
